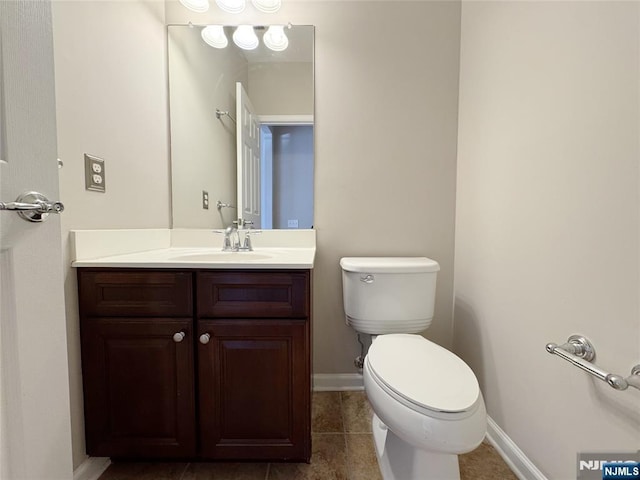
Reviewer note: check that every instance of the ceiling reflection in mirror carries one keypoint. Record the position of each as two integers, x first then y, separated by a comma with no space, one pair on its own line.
217,174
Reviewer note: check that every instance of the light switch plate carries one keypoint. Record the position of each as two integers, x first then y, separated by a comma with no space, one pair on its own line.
94,178
205,199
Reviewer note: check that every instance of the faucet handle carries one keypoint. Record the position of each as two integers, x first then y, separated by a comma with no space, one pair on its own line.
250,228
226,243
247,246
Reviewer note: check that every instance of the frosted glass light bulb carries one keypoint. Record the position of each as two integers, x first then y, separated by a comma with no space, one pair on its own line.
214,35
267,6
245,37
231,6
275,38
199,6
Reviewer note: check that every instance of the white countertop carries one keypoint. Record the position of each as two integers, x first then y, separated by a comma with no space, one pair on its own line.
210,258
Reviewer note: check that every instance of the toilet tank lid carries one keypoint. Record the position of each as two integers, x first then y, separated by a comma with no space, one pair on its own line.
389,264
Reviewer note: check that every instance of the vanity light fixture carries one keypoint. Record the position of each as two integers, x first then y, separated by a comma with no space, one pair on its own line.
231,6
275,38
267,6
245,37
199,6
214,35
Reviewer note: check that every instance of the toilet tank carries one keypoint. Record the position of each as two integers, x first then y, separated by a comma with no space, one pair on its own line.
388,294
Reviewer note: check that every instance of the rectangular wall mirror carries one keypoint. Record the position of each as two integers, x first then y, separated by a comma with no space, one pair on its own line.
242,129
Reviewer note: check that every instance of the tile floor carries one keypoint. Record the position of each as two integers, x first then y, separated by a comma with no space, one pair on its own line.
342,450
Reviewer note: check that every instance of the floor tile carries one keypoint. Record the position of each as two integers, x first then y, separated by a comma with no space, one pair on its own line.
144,471
226,471
361,457
336,455
326,413
484,463
357,412
328,461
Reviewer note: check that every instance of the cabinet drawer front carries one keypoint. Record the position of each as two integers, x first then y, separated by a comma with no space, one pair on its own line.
253,295
135,293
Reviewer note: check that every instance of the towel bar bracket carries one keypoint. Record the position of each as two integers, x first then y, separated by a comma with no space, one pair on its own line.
580,347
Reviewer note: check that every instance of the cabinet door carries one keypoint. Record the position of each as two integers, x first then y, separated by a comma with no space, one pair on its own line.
138,387
254,389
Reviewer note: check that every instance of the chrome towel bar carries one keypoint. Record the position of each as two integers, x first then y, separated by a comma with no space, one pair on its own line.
580,352
220,113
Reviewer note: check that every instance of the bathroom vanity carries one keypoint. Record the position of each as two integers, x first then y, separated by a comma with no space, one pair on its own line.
196,358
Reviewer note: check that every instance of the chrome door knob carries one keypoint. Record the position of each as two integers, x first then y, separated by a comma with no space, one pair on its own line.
33,206
204,338
179,336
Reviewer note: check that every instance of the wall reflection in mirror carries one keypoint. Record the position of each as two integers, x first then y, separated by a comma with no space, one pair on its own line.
241,130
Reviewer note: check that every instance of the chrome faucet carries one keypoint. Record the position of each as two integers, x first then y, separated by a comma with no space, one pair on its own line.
227,245
247,246
232,243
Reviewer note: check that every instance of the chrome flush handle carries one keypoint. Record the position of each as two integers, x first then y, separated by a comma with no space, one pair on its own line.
367,279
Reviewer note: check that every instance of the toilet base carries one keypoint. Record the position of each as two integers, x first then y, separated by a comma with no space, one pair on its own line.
399,460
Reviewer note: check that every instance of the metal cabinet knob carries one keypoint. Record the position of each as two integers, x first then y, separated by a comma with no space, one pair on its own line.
204,338
179,336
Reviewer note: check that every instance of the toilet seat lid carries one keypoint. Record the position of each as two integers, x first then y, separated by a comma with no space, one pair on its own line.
423,373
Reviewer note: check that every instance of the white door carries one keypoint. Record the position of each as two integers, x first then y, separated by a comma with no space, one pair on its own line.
248,145
35,430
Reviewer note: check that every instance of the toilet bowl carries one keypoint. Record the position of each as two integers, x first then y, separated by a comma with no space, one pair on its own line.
424,416
427,402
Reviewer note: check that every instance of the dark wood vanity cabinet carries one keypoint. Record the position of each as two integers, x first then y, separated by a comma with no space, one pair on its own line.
197,364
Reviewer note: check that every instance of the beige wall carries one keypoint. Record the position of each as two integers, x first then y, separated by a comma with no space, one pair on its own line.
111,102
284,88
548,219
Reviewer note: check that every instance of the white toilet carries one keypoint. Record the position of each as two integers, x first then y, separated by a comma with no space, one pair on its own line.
427,401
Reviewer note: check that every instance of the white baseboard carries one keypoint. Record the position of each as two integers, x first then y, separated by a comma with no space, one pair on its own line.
323,382
91,468
522,467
